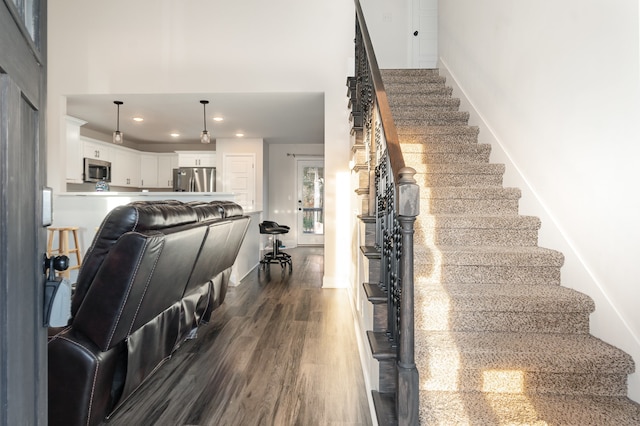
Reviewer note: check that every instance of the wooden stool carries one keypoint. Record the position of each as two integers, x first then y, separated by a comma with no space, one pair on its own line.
63,246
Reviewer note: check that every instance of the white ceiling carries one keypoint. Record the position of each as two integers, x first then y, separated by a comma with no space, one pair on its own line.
275,117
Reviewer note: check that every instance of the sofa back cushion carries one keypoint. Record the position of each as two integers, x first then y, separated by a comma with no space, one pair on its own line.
138,216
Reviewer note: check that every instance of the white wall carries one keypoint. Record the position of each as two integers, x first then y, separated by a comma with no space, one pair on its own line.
555,86
164,46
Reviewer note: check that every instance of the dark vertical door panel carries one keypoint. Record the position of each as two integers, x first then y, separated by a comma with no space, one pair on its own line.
23,386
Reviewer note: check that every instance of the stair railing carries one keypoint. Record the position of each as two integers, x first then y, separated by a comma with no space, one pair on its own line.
396,203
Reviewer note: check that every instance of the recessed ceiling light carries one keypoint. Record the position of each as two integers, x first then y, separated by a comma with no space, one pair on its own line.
218,119
239,135
138,119
175,135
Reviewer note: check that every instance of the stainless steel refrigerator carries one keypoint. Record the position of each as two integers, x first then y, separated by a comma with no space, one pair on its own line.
194,179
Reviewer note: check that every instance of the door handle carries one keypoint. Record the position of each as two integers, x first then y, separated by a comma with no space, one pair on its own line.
415,33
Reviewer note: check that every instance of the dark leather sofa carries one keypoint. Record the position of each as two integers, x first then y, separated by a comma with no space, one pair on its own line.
154,272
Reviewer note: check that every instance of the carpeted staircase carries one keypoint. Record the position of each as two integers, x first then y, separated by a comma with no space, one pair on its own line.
498,340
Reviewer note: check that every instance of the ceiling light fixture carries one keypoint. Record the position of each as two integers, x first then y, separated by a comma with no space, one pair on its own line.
118,137
205,137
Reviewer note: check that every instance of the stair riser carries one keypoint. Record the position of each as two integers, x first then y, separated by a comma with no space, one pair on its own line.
380,317
409,72
431,116
403,90
409,129
422,102
387,372
431,148
447,157
415,136
467,206
478,237
474,274
502,322
458,180
435,119
534,382
390,79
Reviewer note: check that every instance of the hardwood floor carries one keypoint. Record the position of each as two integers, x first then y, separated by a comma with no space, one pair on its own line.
280,351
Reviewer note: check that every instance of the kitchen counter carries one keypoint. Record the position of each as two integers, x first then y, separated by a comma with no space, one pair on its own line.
86,210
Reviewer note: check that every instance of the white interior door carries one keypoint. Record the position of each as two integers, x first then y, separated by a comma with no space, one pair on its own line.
310,202
239,177
424,33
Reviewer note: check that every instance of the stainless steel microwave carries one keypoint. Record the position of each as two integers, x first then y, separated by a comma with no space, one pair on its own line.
96,170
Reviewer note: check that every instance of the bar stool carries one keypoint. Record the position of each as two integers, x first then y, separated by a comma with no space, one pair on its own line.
64,233
275,255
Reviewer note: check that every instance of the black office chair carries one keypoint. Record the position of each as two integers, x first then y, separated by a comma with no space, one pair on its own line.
275,255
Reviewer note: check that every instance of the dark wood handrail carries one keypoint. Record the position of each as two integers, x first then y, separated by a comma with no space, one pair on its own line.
390,133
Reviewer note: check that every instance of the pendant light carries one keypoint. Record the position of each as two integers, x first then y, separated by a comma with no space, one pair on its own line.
118,137
205,137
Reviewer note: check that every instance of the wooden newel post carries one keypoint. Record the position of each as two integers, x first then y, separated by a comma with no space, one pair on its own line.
408,208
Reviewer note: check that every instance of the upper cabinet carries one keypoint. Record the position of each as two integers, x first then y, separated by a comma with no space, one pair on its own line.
96,150
196,158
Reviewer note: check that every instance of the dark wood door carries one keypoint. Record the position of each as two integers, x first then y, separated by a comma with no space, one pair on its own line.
23,358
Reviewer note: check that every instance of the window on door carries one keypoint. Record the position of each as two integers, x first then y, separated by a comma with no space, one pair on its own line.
310,202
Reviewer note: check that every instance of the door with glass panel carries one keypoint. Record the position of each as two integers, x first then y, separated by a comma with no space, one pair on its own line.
310,202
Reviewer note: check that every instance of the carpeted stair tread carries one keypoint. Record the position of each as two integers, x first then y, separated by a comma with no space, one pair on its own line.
504,297
409,72
433,118
502,230
400,89
390,75
465,193
410,148
477,409
404,129
488,256
540,352
498,308
462,221
427,101
444,157
469,200
460,169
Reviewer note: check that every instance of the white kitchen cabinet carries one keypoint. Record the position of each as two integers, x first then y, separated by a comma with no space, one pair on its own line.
96,150
74,163
148,170
196,158
125,167
166,164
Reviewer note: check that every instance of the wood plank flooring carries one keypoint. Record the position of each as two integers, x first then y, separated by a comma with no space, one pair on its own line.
280,351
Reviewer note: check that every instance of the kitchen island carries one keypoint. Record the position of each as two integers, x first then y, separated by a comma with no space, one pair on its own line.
86,210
